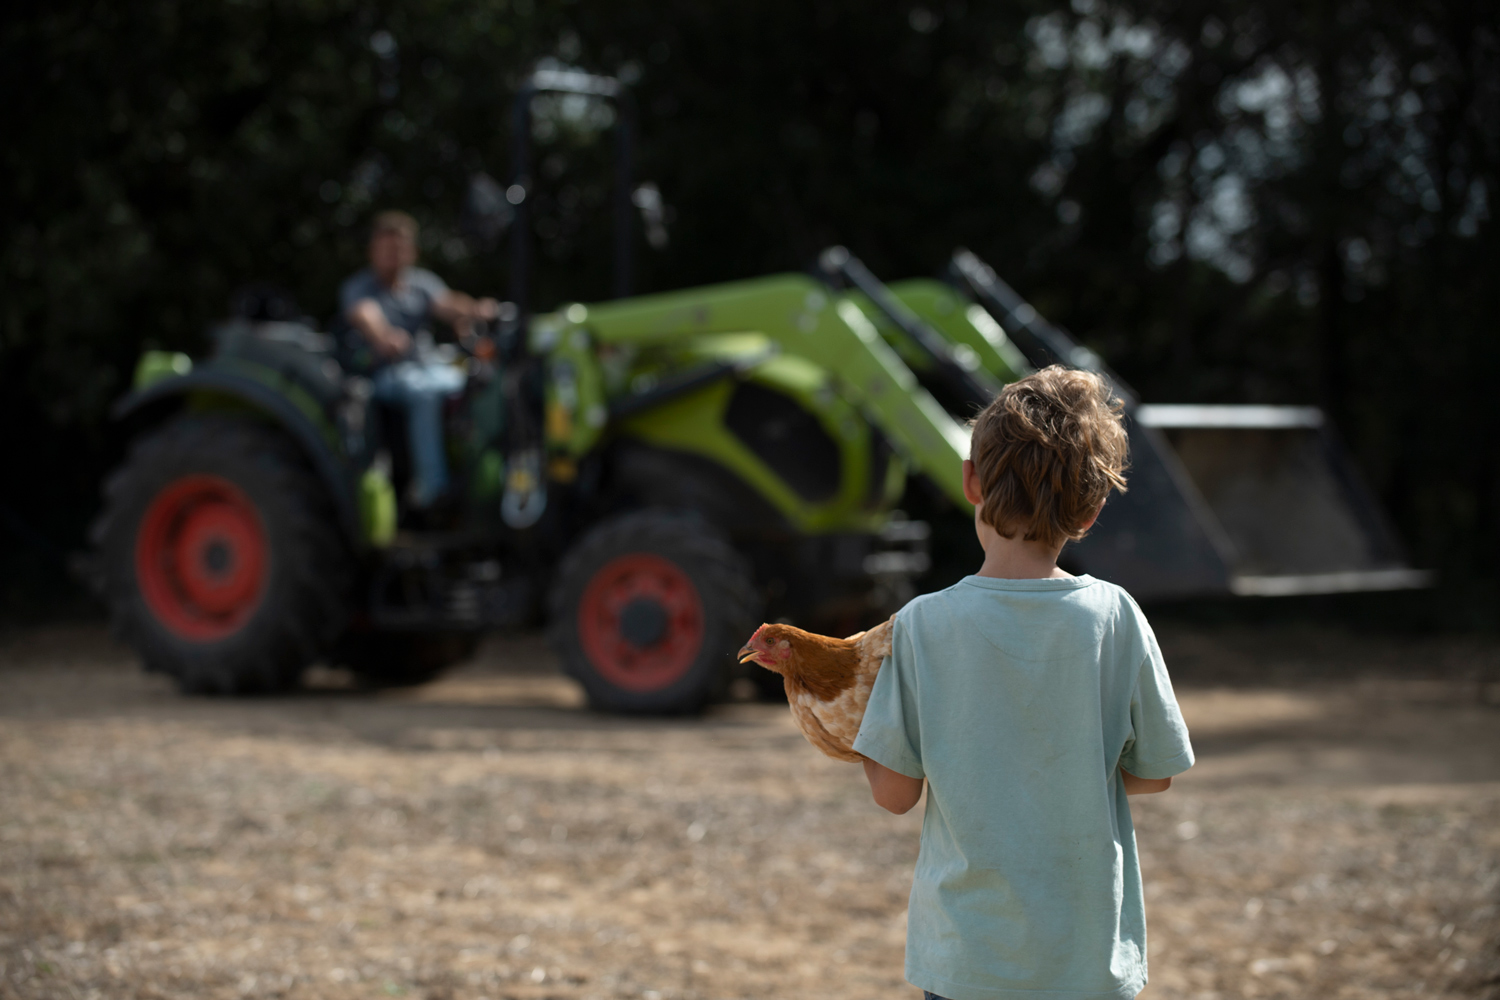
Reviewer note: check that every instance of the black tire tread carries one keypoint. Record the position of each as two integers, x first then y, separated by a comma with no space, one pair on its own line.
316,570
726,574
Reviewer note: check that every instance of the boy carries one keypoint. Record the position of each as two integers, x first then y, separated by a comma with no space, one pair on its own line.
1032,702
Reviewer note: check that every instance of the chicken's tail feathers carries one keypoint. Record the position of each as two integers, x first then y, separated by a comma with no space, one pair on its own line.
831,747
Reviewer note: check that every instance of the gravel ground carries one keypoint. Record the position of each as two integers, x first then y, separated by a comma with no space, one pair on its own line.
484,836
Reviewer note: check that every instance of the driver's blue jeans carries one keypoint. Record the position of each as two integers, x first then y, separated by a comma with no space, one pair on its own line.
419,388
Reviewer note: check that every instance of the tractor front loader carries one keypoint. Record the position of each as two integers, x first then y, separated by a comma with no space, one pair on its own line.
1245,500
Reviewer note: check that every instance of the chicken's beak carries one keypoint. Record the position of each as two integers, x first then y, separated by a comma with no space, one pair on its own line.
748,653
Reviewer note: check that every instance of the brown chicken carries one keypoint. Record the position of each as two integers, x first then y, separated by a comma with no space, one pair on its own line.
828,680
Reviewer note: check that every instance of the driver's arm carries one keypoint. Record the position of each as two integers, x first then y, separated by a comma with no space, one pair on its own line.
460,311
366,316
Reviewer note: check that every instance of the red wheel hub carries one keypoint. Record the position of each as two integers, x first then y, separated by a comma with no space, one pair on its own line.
641,622
200,557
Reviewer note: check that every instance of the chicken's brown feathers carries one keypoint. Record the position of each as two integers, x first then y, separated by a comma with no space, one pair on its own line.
874,645
828,680
817,734
823,666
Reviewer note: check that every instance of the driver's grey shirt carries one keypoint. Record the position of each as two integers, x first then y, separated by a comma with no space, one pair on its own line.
408,304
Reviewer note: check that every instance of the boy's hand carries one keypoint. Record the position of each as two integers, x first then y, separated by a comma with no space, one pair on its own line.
893,791
1143,786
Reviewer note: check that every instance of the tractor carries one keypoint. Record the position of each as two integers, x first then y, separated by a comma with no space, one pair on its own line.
652,476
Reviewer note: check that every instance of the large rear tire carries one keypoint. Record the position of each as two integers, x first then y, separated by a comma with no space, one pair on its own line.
221,559
647,611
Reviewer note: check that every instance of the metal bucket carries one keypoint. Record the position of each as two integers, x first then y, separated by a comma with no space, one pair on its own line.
1251,500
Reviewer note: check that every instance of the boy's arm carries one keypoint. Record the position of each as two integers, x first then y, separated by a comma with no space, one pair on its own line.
1134,785
894,791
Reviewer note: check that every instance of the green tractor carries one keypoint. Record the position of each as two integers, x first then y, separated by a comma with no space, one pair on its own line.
650,476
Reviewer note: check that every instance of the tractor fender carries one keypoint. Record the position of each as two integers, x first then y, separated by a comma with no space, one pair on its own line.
310,438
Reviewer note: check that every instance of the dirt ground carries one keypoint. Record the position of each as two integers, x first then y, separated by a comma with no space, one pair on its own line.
485,836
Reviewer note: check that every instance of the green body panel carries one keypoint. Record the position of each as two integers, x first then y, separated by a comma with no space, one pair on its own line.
964,324
489,475
218,401
377,507
480,451
575,412
800,319
294,393
694,423
154,366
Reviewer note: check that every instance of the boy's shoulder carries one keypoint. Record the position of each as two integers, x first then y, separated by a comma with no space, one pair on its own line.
938,604
1108,604
972,587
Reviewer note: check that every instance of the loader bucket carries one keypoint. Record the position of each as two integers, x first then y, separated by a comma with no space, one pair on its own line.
1252,500
1248,500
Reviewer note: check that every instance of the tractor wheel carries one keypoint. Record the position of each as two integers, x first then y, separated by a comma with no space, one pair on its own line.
647,611
221,559
403,659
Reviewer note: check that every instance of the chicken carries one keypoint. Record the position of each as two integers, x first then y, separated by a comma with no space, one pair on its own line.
828,680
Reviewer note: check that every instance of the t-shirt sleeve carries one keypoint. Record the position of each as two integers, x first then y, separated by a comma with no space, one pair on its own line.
890,734
358,286
1159,746
430,285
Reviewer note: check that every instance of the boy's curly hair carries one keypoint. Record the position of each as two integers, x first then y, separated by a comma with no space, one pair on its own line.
1047,451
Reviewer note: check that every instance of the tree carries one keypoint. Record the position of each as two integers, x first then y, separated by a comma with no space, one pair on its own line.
1263,201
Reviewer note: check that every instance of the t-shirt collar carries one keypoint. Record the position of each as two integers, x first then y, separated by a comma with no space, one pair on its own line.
1051,583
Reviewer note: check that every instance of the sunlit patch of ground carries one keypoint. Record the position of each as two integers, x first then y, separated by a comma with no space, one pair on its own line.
486,836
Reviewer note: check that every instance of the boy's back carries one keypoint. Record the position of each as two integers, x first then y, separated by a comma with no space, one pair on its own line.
1020,700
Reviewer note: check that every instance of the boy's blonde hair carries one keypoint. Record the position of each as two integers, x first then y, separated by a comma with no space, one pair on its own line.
1047,451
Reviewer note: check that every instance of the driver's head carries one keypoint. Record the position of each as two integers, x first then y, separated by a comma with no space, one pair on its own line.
393,245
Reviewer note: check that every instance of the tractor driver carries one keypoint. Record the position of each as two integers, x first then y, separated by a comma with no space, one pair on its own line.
388,303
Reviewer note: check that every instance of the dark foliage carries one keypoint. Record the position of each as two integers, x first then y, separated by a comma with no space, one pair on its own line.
1252,201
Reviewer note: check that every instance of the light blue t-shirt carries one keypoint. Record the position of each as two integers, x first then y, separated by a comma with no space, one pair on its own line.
1020,701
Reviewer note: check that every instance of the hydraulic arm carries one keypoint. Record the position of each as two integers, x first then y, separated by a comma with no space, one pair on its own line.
803,317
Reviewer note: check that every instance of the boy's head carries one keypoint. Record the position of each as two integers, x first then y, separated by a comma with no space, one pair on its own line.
1046,452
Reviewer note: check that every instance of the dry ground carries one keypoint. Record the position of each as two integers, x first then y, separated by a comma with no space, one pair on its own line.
487,837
